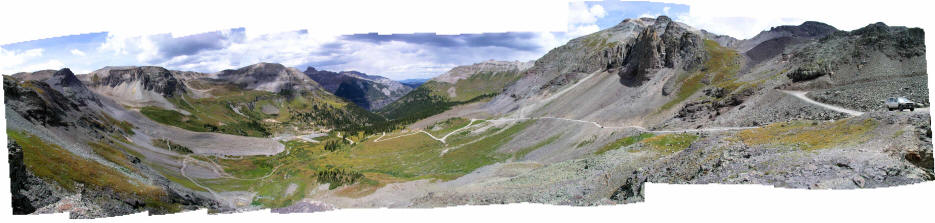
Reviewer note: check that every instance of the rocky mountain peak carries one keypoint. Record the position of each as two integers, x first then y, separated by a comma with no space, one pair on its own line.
674,47
149,78
807,30
70,86
310,69
873,29
272,77
65,77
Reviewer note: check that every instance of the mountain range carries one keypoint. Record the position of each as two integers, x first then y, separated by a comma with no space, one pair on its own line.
588,123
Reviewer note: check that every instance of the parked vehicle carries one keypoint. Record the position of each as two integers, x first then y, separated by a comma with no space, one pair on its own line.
899,103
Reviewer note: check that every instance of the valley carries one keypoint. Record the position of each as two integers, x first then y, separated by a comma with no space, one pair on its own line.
588,123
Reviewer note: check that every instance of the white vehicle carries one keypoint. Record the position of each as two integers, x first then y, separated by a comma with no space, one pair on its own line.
899,103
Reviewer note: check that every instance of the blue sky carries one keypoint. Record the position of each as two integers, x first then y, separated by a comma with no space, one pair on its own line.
397,56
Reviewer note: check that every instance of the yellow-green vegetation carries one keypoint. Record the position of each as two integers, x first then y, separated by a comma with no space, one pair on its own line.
598,41
625,141
689,86
335,177
417,156
721,65
270,176
586,142
810,135
670,143
359,169
123,125
722,62
444,127
483,84
176,176
236,111
521,154
114,155
51,162
171,146
433,97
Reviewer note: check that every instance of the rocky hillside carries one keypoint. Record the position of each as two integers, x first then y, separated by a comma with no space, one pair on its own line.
270,77
136,86
258,100
588,123
367,91
462,84
68,152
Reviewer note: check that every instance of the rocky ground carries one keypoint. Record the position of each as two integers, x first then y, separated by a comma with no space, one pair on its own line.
868,96
713,158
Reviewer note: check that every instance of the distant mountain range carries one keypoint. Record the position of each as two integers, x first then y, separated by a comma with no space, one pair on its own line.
414,83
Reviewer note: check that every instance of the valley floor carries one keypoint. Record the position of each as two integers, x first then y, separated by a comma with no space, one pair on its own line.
450,162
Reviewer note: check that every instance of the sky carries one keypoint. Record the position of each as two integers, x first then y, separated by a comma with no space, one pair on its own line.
396,56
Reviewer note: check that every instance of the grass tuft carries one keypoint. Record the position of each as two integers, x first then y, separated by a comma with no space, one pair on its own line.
810,135
671,143
625,141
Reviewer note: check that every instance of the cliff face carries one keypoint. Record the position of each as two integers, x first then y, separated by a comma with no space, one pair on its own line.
638,51
136,86
155,79
466,71
676,47
869,53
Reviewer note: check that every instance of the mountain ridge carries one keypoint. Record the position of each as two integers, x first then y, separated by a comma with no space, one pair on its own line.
588,123
367,91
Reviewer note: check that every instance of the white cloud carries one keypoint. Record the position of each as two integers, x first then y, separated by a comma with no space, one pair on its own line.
737,27
118,44
581,30
12,61
393,59
77,52
47,65
582,20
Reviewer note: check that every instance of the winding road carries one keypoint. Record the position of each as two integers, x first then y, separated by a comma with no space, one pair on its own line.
801,95
797,94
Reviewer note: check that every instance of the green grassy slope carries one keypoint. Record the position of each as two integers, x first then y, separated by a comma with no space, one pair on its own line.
240,112
433,98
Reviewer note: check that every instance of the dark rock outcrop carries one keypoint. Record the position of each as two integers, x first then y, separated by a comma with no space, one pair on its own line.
674,47
367,91
37,102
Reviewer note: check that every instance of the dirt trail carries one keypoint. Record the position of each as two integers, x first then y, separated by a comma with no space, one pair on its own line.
185,161
801,95
231,200
640,128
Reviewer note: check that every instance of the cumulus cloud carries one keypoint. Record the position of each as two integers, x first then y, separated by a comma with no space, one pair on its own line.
582,18
581,13
735,26
77,52
405,56
396,56
517,40
155,49
12,61
46,65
